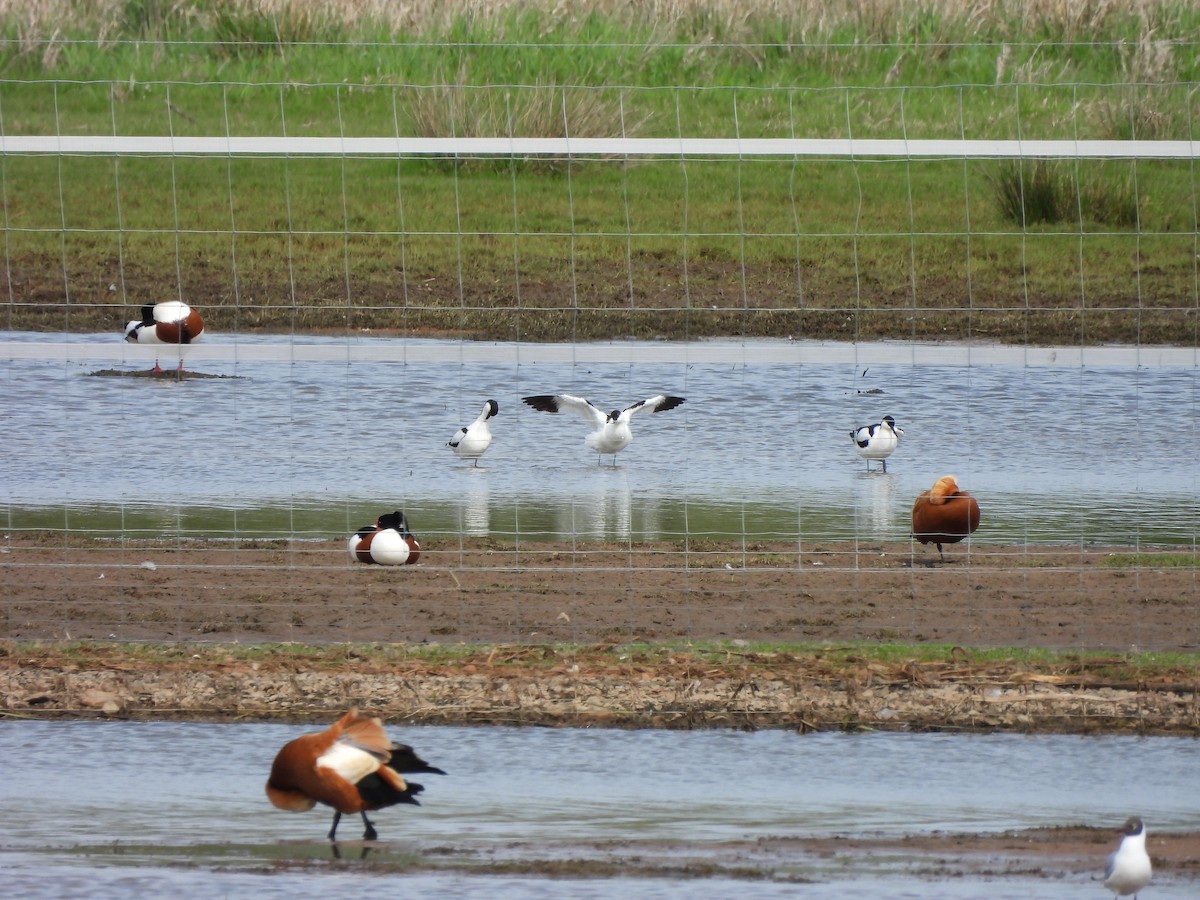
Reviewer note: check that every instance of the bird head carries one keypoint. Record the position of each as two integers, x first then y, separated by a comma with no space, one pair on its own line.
395,520
493,408
944,488
1133,825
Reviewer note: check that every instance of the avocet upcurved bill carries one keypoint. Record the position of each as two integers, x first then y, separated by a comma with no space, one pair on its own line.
611,434
877,441
470,441
170,322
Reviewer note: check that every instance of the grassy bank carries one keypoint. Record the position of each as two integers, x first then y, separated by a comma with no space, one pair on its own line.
514,249
1093,667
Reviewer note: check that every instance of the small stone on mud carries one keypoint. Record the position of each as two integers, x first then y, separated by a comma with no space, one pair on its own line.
96,698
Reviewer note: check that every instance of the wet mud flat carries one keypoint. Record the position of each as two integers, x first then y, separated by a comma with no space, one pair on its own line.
1071,854
56,586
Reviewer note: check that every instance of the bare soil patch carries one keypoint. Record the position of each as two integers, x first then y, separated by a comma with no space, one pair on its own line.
645,636
486,592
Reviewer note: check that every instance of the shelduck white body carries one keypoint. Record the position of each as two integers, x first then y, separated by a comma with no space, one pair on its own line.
386,543
171,322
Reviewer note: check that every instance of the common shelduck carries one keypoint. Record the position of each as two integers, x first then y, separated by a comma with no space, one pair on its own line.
387,543
352,766
877,441
612,434
1128,869
171,322
944,514
470,441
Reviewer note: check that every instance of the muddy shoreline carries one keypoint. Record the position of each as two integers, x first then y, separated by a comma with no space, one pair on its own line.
1072,854
590,687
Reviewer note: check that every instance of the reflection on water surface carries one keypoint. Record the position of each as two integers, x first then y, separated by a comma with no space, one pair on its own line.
179,805
318,433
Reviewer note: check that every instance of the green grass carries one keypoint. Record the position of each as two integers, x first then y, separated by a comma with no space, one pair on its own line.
735,654
504,249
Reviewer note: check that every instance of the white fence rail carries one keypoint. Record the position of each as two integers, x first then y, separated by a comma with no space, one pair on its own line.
615,146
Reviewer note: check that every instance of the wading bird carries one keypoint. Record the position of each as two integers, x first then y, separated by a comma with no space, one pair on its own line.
944,514
171,322
877,441
1128,868
352,766
611,432
470,441
387,543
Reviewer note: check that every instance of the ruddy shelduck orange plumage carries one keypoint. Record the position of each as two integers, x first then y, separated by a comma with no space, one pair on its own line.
944,514
352,766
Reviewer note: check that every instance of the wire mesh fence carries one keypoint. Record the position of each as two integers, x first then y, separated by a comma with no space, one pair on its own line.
992,265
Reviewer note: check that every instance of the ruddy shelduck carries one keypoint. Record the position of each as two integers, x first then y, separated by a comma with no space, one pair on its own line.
170,322
388,542
877,441
944,514
471,441
352,766
1128,868
611,432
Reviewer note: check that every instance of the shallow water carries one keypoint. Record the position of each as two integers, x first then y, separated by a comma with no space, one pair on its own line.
315,436
118,809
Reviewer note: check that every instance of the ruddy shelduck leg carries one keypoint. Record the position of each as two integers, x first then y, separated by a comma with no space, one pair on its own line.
369,834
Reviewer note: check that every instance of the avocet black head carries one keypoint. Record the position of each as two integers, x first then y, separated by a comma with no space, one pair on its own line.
471,441
877,441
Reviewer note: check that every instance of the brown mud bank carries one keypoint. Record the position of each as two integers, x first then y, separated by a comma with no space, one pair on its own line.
655,635
65,586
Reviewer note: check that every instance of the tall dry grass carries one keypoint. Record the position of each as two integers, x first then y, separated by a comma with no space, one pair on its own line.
39,22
